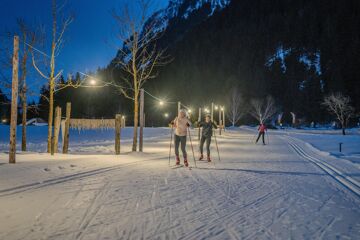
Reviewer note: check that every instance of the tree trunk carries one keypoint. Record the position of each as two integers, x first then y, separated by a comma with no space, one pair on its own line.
24,119
57,123
51,115
136,122
14,98
142,120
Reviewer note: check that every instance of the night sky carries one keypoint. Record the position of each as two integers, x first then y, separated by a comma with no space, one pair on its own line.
90,39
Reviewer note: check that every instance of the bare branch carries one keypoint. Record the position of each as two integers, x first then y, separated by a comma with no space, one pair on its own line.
263,110
236,108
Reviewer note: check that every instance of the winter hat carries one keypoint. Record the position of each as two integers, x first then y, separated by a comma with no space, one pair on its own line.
182,111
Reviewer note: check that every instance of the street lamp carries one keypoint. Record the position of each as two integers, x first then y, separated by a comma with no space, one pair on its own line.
166,115
92,82
161,103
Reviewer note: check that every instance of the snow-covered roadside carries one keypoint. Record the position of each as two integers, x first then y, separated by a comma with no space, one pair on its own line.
85,141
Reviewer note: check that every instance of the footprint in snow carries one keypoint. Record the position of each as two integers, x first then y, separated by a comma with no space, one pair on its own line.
61,167
72,165
47,169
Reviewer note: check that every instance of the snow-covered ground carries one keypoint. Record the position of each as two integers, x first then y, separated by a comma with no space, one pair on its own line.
83,141
285,190
328,142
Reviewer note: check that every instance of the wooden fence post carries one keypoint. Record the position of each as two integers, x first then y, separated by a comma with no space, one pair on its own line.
52,145
57,123
67,126
14,100
123,123
141,135
117,133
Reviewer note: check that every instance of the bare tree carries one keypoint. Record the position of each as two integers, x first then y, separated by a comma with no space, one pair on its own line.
263,109
26,37
26,34
57,40
236,108
339,105
139,55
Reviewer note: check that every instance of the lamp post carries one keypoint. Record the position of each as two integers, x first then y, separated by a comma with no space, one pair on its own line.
219,123
223,117
212,112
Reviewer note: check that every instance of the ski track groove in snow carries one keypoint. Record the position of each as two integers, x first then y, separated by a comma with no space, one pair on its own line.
59,180
92,211
346,181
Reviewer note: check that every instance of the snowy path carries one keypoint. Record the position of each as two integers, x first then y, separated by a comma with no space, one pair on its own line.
277,191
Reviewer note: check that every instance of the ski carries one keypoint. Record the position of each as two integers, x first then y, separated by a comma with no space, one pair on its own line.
180,166
177,166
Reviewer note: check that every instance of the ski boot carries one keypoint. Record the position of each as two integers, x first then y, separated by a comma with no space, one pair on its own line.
201,157
186,162
208,158
177,161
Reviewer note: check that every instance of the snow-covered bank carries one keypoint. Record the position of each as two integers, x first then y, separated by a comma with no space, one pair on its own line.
325,140
85,141
255,192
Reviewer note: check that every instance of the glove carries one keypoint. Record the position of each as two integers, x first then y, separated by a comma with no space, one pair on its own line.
172,123
188,124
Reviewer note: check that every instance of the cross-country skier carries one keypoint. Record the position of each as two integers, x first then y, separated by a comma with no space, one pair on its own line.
262,128
181,123
207,131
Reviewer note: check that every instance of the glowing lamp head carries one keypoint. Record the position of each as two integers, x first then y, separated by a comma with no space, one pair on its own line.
92,82
166,115
161,103
216,107
189,110
222,109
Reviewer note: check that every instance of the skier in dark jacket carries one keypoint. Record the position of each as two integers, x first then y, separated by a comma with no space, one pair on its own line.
262,128
207,131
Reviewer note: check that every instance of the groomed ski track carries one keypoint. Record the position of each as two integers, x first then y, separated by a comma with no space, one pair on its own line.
284,190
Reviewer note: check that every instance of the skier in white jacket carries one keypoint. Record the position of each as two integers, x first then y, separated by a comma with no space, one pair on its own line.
181,124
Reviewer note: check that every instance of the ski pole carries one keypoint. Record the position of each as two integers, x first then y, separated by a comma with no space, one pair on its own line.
192,148
217,147
171,137
253,139
267,136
